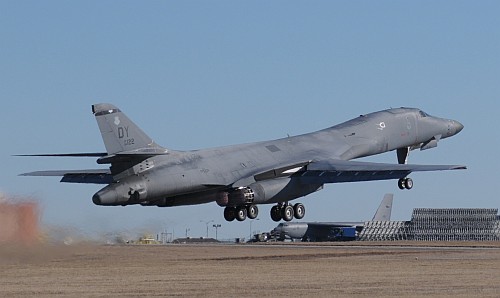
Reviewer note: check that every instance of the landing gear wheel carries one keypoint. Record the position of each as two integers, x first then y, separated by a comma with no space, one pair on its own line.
229,213
408,183
276,213
299,210
287,213
241,213
405,183
252,211
401,183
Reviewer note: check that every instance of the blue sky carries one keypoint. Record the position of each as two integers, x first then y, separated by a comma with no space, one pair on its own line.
196,74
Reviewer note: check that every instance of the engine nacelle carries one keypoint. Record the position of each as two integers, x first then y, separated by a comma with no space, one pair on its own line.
266,192
236,197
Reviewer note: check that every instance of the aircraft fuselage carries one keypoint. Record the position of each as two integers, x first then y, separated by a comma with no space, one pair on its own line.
193,177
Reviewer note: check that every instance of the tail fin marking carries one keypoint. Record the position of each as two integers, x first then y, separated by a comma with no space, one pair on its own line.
118,132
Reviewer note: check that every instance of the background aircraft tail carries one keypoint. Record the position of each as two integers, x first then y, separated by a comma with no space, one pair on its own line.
119,133
384,210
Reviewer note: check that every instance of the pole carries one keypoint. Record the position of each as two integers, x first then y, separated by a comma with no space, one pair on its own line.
207,222
216,226
250,237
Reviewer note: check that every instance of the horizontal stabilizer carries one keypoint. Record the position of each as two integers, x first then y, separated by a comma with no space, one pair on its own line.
96,176
104,158
127,156
92,154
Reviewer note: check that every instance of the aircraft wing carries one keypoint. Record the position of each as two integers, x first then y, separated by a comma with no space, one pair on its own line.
332,225
96,176
335,224
335,171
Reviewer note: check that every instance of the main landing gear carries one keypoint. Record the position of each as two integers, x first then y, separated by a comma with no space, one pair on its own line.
405,183
240,213
280,211
287,212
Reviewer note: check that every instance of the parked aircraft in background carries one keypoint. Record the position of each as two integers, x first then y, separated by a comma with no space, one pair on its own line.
239,177
330,231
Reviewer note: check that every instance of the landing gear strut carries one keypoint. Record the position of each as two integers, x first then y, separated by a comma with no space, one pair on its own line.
405,183
403,154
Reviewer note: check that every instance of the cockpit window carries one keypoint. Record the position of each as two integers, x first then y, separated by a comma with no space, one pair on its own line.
423,114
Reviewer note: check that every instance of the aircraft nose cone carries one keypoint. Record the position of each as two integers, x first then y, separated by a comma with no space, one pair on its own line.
458,126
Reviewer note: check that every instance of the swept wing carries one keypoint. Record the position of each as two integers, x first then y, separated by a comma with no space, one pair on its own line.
336,171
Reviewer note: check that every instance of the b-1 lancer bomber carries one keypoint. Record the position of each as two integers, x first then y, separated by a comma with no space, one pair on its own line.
240,177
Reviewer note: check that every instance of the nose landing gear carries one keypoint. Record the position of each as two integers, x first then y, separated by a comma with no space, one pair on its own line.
405,183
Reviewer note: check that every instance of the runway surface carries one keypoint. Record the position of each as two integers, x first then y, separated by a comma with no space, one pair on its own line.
269,270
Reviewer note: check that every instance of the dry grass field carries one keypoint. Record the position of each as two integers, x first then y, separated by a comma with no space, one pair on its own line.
266,270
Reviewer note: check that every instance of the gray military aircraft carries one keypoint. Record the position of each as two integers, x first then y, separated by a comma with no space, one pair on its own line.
239,177
328,231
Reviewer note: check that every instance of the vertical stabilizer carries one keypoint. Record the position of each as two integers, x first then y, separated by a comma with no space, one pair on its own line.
384,210
119,133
